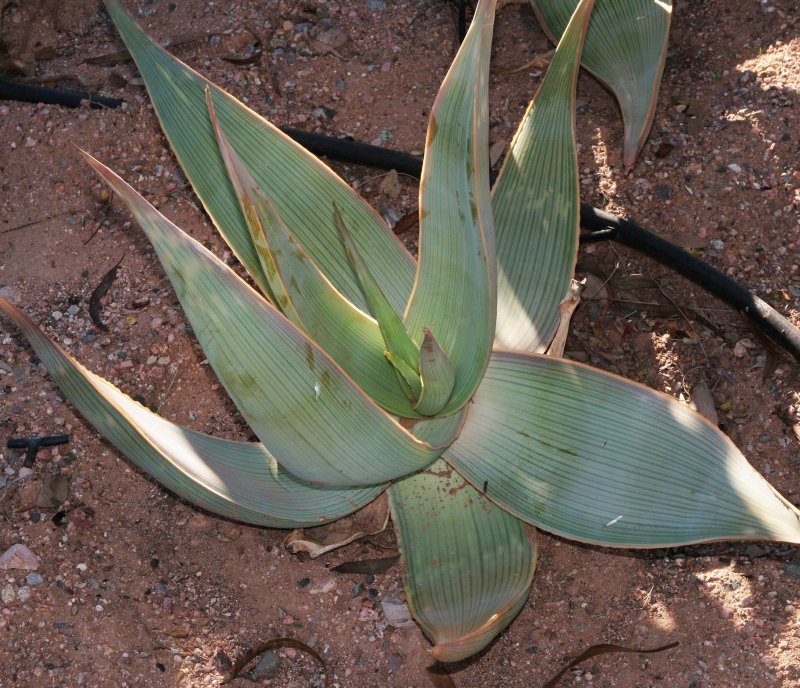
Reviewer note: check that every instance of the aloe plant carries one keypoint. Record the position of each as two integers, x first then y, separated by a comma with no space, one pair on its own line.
347,341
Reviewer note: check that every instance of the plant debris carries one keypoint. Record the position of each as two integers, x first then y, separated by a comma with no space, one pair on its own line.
98,294
256,651
367,566
603,649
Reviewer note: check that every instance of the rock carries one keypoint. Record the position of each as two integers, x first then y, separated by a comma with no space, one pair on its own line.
53,492
267,667
754,551
740,350
24,593
11,293
733,167
81,518
792,568
395,661
323,586
34,578
396,613
19,557
9,594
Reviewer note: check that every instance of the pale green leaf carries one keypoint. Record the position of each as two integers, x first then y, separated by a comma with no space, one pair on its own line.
437,376
348,335
302,406
455,289
469,564
401,351
597,458
238,480
537,205
301,187
626,47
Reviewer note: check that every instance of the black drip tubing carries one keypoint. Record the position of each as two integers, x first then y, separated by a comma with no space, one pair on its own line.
29,93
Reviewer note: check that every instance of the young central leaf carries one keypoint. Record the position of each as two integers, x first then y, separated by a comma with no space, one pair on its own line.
401,351
437,374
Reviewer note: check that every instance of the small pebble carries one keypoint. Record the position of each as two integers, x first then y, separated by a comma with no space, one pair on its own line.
396,613
24,593
267,666
34,578
9,594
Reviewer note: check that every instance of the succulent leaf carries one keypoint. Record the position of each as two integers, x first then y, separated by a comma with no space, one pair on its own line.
401,351
239,480
455,289
469,564
597,458
626,47
436,374
537,204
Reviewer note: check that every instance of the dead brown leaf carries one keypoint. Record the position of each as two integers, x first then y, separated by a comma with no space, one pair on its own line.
273,644
603,649
370,520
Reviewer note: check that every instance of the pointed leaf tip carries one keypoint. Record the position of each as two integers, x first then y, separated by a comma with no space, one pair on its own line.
436,374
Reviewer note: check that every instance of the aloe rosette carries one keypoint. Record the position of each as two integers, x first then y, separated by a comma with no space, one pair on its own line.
357,336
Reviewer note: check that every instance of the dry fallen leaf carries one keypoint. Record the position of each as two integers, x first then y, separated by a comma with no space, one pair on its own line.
370,520
703,402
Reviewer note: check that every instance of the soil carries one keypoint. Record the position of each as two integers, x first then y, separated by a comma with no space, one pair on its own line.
146,590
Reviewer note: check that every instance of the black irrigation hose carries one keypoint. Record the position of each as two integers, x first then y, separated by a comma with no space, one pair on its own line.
28,93
599,226
756,310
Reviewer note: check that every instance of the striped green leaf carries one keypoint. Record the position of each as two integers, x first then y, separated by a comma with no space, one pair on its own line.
455,289
238,480
469,564
597,458
348,335
401,351
626,47
436,374
308,413
300,186
537,205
